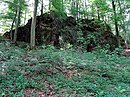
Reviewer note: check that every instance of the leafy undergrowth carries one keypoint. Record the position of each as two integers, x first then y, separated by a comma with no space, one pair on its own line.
48,72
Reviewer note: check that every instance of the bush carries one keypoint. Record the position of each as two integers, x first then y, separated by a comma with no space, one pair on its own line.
1,38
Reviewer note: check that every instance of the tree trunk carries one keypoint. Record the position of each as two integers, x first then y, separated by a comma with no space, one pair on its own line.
116,22
11,33
50,4
62,8
32,39
73,8
86,7
42,8
25,16
77,9
123,24
98,12
92,11
17,21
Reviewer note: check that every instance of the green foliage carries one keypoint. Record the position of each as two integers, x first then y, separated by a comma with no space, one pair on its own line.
67,72
59,7
1,38
12,9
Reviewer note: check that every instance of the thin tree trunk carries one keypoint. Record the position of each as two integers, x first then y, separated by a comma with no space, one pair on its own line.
73,8
62,2
25,16
50,4
98,13
11,33
77,9
42,8
17,21
92,10
86,7
123,23
32,39
116,23
62,8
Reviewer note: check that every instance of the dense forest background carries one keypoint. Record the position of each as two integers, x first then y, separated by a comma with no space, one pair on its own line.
113,13
64,48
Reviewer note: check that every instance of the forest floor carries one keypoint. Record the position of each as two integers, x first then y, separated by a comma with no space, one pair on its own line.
49,72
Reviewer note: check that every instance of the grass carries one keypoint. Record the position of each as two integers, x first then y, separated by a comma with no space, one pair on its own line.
65,73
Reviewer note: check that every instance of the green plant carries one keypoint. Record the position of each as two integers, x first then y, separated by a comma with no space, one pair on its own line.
59,7
1,38
66,72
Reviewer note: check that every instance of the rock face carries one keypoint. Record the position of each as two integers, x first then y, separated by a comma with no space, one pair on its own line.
51,29
97,33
